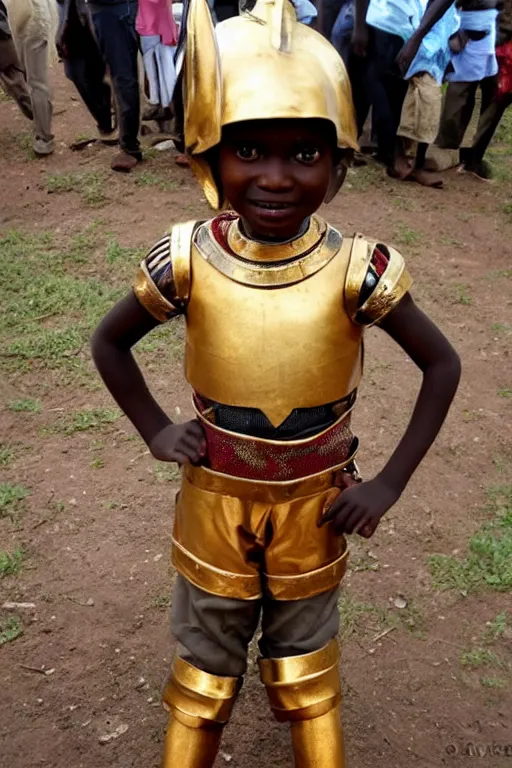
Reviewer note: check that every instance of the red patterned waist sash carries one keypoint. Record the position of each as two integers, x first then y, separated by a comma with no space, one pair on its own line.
254,458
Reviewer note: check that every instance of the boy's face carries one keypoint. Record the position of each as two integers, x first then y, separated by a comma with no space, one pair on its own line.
276,173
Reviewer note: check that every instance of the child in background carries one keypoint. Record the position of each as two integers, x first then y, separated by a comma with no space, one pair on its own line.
276,303
158,38
422,107
473,65
490,117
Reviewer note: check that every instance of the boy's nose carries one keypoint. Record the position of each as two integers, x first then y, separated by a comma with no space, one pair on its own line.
275,177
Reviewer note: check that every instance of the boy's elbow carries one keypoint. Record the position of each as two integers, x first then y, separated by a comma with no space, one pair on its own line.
450,369
98,345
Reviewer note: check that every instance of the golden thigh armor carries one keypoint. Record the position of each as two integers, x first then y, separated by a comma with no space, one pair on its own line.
305,691
237,538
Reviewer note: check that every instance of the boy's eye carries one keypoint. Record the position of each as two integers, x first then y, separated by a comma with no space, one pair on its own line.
308,155
247,153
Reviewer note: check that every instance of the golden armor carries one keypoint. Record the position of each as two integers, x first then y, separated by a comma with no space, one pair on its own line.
200,705
305,691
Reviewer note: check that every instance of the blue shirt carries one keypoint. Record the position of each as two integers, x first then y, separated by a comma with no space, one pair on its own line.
434,52
478,59
397,17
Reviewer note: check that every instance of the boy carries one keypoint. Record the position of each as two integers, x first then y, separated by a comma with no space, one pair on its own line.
421,111
276,301
473,64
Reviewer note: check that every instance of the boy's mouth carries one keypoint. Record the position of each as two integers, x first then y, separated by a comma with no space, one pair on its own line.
272,206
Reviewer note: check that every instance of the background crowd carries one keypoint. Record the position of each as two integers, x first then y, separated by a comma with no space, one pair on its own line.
416,68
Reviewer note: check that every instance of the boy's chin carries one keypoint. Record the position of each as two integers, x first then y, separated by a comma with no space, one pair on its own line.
272,224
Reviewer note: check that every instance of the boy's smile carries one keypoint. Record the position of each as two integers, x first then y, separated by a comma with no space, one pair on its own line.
276,173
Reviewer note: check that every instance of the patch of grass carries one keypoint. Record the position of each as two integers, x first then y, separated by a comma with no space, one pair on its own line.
489,560
48,314
503,133
362,178
166,473
162,602
404,235
90,186
501,274
116,252
501,328
97,463
89,418
26,405
150,153
355,617
6,454
25,143
462,295
11,497
148,179
492,682
496,628
10,563
10,629
505,392
480,657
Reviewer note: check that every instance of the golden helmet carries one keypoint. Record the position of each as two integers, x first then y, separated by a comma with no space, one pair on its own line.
262,64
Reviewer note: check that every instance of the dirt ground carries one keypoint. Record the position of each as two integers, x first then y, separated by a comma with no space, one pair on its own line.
86,514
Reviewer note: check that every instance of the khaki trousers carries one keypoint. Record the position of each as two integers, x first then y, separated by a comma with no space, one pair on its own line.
33,56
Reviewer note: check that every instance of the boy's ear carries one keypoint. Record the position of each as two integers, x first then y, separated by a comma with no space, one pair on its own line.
339,172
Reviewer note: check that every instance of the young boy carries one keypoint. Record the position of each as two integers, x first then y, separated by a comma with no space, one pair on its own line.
276,302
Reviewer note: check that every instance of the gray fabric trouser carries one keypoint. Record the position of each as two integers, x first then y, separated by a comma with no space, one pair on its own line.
12,77
213,632
34,60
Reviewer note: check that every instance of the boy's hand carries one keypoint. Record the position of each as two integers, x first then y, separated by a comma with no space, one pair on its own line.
407,54
358,509
184,443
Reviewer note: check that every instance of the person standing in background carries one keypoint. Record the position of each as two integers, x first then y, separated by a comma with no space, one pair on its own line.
114,23
84,64
473,65
158,38
473,158
12,76
381,29
421,111
33,24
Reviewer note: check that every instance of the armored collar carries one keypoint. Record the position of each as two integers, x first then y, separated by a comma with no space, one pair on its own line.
269,265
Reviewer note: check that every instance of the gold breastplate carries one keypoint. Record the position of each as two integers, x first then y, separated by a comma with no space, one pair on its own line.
267,334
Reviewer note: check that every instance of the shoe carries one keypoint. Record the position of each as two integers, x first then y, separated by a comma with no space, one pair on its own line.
481,170
108,137
124,163
153,112
43,148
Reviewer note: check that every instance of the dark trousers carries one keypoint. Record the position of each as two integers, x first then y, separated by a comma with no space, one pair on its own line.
119,45
459,103
489,120
86,68
358,72
388,90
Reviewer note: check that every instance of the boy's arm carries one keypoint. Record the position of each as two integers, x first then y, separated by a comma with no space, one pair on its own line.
360,32
360,508
126,324
435,11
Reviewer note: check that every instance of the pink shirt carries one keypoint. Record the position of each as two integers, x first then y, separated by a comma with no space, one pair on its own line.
155,18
